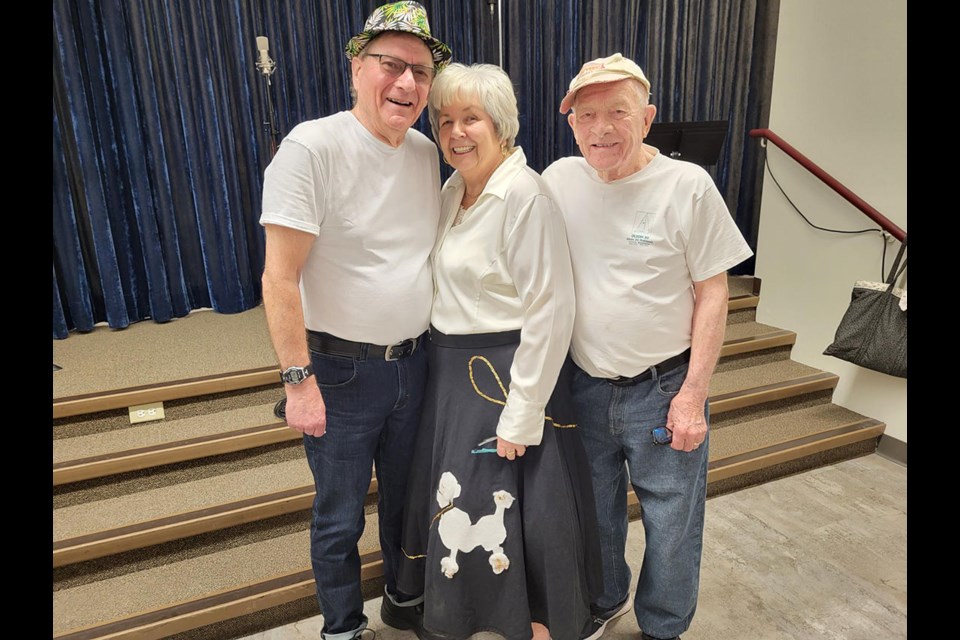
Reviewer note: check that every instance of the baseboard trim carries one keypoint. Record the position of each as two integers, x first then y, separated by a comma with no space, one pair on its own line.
893,449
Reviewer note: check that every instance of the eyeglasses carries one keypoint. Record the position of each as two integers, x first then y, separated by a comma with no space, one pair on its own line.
394,67
662,435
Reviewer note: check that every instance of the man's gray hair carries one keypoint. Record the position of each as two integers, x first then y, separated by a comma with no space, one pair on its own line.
492,88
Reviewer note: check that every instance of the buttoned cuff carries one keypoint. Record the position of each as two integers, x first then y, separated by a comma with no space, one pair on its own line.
521,422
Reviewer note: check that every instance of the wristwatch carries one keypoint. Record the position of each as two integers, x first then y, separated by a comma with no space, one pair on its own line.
296,375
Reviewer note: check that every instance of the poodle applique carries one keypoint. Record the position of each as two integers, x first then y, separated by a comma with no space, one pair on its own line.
459,535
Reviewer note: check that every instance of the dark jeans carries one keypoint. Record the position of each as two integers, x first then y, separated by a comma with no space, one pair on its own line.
373,410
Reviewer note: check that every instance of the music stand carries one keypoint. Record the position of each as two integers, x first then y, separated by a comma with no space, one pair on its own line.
697,142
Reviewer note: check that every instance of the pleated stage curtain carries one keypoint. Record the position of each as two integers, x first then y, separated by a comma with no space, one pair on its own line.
156,161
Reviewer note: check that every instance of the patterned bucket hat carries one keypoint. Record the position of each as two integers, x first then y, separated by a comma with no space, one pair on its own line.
408,17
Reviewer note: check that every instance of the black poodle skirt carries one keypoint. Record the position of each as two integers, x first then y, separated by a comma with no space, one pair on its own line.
495,544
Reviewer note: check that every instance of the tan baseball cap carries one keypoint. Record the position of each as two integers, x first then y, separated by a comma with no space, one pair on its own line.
609,69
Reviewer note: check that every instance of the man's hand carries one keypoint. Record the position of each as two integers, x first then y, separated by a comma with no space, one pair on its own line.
305,410
685,418
509,450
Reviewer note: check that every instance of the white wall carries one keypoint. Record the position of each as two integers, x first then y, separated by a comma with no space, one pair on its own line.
840,98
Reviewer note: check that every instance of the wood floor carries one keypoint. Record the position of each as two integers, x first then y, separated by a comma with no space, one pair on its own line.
822,554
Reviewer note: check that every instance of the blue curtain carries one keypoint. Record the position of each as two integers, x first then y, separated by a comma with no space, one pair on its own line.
156,161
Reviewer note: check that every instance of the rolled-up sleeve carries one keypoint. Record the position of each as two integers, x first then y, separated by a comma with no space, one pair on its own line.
538,259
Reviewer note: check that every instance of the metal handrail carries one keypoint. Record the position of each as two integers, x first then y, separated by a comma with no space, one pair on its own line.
832,182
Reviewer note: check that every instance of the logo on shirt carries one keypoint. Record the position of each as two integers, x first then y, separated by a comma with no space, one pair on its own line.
641,236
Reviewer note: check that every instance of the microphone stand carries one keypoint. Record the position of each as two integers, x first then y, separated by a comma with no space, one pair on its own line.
267,67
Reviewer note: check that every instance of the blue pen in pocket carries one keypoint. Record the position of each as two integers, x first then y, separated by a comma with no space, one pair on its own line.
483,449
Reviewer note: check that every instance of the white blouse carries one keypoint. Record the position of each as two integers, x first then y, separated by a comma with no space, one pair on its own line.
506,266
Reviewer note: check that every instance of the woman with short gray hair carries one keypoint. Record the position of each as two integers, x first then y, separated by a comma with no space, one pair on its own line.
500,528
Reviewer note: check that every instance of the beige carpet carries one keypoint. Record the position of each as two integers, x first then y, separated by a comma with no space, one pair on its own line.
204,343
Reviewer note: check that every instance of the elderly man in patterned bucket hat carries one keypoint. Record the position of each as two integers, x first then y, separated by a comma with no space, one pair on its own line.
350,211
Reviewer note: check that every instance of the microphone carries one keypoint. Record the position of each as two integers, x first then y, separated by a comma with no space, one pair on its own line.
266,65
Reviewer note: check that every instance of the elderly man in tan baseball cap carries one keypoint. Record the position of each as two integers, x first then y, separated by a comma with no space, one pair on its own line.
651,240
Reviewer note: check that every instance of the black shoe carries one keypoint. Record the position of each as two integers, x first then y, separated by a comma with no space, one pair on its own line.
595,626
405,618
644,636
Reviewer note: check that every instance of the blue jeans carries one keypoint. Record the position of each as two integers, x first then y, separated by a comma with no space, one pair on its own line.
373,411
615,424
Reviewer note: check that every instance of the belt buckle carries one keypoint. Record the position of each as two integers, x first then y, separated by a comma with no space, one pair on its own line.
643,376
399,350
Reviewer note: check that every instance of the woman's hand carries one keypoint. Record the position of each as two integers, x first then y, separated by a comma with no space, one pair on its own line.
509,450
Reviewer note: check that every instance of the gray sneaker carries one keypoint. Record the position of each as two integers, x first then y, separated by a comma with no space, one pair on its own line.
595,625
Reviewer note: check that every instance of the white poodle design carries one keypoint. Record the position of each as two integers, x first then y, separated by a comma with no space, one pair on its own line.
459,535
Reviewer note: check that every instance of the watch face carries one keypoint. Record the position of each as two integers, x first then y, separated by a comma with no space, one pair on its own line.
294,375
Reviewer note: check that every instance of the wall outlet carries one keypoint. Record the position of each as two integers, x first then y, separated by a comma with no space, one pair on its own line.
146,412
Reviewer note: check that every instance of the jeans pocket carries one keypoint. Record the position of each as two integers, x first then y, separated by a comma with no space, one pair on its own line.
333,371
669,383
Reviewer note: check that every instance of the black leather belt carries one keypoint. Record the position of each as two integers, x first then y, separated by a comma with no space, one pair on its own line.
662,368
325,343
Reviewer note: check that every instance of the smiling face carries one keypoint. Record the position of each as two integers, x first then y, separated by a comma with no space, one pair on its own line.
388,106
469,140
610,121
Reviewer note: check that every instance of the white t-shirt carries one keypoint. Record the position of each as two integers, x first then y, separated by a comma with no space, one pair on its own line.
374,209
637,245
506,266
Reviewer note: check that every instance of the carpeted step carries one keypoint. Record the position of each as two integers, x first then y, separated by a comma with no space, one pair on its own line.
162,600
739,286
756,385
134,367
773,440
179,409
113,525
151,444
750,336
162,392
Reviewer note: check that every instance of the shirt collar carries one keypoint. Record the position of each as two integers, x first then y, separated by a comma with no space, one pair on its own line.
500,180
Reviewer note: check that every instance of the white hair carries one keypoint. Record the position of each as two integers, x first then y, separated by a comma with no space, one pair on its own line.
492,88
